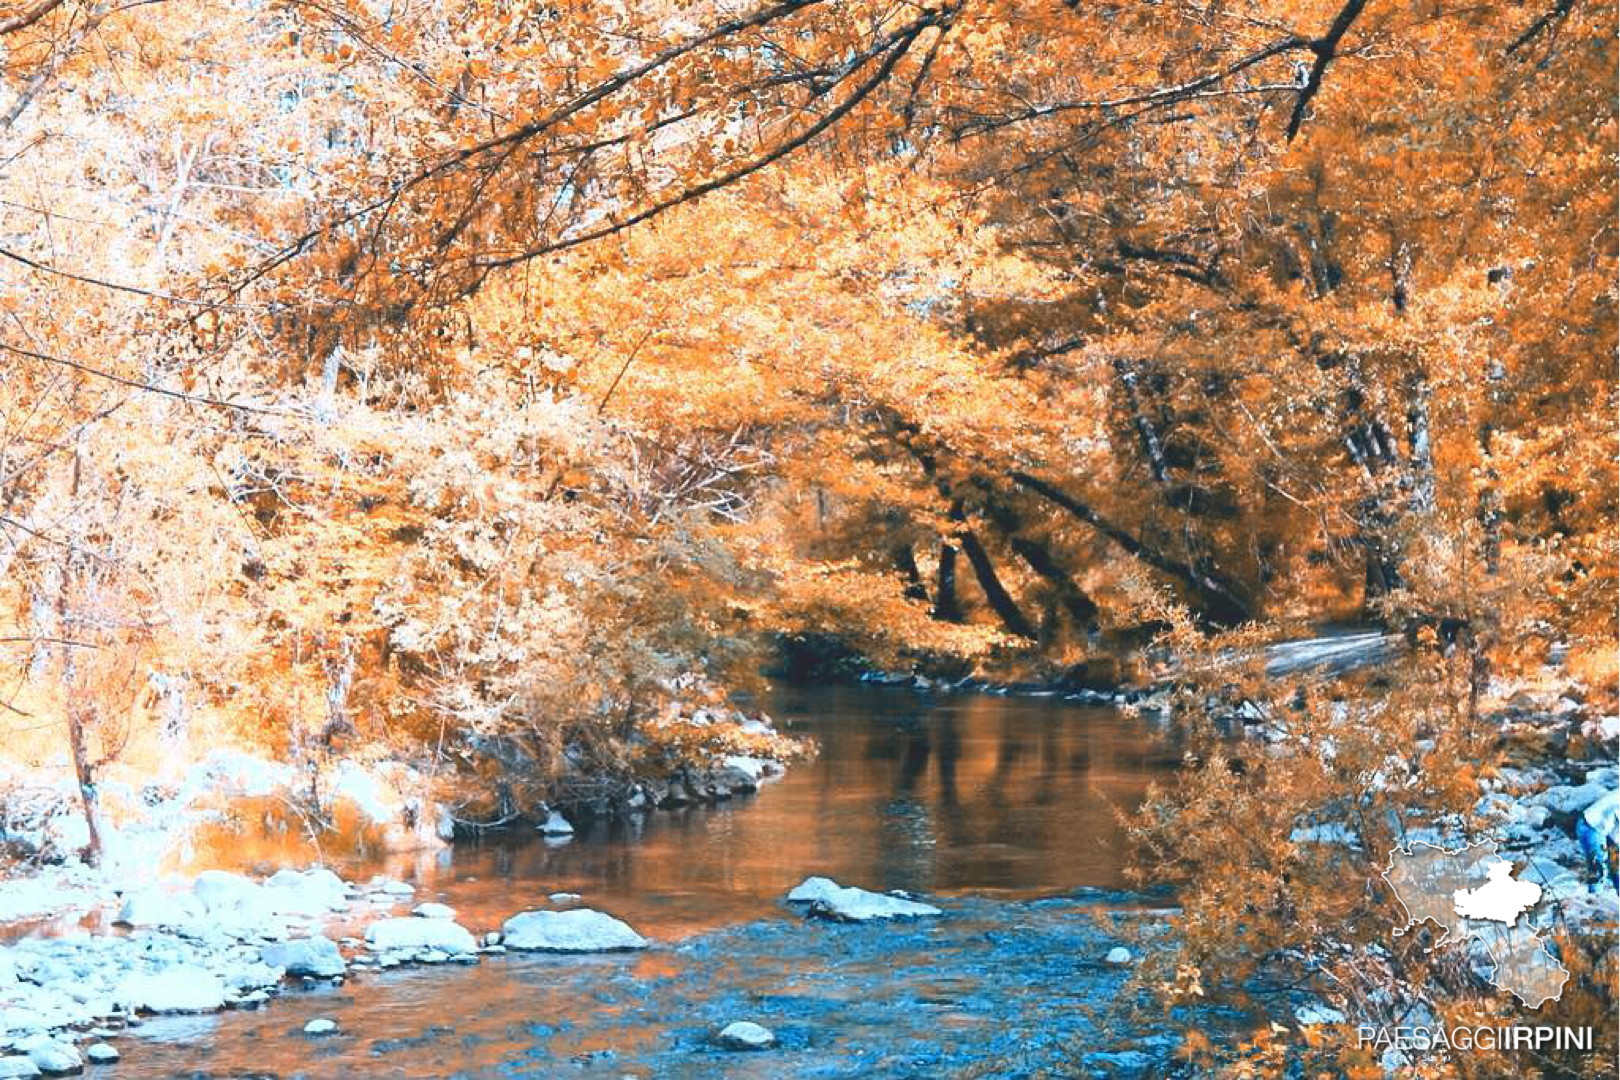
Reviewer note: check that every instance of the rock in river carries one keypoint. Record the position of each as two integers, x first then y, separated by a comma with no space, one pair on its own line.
579,930
53,1057
321,1026
830,900
316,956
159,909
746,1035
410,933
178,988
15,1067
556,825
101,1053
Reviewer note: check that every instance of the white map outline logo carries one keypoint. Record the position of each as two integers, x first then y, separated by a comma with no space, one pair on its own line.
1470,892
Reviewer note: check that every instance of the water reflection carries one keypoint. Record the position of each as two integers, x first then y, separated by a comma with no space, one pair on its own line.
1002,798
970,794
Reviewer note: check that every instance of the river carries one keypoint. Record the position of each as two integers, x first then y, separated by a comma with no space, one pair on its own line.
1004,810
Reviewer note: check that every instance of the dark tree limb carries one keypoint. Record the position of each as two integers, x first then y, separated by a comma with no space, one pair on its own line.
1534,30
1326,49
905,561
1082,609
1219,599
947,608
1001,601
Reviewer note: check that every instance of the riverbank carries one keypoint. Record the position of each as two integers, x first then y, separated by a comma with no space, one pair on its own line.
995,808
989,808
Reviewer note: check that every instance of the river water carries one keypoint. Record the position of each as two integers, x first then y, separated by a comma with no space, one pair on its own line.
1003,810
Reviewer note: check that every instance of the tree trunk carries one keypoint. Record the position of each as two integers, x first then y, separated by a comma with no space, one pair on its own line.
1083,611
1220,601
946,606
1001,602
85,773
905,560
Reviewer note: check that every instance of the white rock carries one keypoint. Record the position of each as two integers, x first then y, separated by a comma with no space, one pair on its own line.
320,1026
812,889
556,825
829,900
1119,956
224,893
564,898
56,1058
431,910
746,1035
1308,1015
179,988
578,930
413,934
317,956
307,892
152,908
14,1068
101,1053
1570,799
752,767
1331,832
398,888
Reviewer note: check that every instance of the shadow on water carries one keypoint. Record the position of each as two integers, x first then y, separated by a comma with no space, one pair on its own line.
998,807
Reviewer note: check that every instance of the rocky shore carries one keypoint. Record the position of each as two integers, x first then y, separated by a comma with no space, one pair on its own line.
229,941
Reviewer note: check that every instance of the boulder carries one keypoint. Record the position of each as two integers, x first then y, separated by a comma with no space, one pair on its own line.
101,1053
321,1026
316,956
431,910
829,900
1118,956
55,1058
153,908
746,1035
224,893
13,1068
555,825
178,988
413,934
307,892
578,930
812,889
734,779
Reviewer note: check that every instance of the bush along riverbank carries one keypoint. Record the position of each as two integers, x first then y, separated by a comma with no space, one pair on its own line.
235,807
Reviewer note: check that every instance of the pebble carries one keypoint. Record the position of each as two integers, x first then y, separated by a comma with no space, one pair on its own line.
321,1026
746,1035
